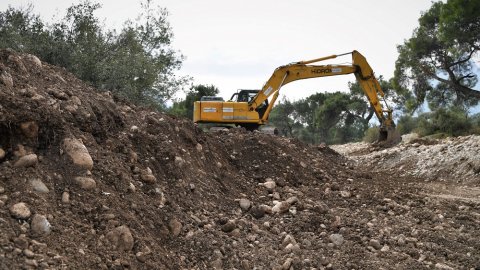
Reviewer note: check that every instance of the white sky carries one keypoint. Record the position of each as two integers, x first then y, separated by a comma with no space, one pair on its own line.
237,44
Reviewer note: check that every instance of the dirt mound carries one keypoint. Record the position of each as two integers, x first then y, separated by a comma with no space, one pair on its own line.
91,182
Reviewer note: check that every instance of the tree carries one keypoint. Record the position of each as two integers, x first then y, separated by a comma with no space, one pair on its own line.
137,63
323,117
281,117
437,63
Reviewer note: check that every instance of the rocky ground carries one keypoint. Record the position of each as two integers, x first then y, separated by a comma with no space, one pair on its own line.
88,181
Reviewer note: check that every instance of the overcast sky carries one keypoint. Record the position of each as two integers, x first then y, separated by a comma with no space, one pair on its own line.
237,44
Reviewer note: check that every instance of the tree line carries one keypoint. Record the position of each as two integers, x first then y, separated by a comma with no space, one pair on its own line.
434,88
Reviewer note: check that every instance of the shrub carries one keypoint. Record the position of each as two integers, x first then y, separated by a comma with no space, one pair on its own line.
371,134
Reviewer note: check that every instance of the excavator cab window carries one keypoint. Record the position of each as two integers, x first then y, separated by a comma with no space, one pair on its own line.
247,96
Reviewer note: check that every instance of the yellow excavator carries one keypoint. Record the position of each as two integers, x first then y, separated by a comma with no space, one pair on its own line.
251,108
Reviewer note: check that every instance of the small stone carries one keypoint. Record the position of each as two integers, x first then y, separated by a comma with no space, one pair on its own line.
65,197
375,244
39,186
148,177
269,184
180,162
217,264
219,165
133,129
345,194
175,227
303,164
443,266
121,238
257,212
29,129
85,182
33,263
141,256
287,264
40,225
246,265
288,240
131,187
281,207
21,242
2,190
27,161
244,204
385,248
336,239
199,147
2,153
77,151
229,226
28,253
20,211
401,240
292,200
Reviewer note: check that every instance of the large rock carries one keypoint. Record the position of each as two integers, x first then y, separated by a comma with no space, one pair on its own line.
33,60
77,151
20,211
29,129
281,207
40,225
175,227
336,239
121,238
148,177
85,182
244,204
27,161
39,186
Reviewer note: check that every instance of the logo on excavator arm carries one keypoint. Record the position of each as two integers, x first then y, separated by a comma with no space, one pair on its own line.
322,70
327,70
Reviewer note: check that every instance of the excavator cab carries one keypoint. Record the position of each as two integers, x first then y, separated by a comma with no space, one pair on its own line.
247,95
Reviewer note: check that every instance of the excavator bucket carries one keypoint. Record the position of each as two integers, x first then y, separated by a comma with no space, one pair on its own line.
389,136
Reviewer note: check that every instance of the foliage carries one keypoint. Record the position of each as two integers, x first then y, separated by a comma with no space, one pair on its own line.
184,107
437,63
323,117
280,116
371,135
449,122
136,63
406,124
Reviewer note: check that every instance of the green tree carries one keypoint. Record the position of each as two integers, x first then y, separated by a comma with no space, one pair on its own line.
323,117
282,117
138,63
437,63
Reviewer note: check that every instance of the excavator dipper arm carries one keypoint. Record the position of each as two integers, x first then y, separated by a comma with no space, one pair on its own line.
303,70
